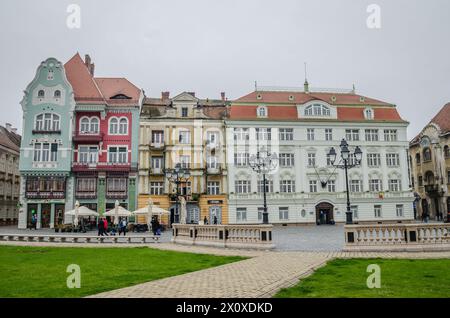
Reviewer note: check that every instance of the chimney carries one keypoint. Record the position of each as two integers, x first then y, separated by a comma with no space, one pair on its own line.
90,66
165,95
8,127
14,130
222,95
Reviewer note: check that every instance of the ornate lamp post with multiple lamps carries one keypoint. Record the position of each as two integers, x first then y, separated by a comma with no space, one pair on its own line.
347,164
177,176
263,163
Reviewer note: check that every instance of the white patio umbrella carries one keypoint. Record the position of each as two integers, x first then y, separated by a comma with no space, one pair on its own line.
151,210
120,212
80,211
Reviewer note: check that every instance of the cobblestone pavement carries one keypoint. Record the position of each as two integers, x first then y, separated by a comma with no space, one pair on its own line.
258,277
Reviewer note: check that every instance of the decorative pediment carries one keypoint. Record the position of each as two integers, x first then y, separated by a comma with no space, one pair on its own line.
185,97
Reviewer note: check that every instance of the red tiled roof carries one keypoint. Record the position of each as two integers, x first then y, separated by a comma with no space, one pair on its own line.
282,106
84,87
111,87
442,119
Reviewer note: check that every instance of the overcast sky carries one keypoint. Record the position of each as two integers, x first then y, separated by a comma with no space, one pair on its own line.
209,46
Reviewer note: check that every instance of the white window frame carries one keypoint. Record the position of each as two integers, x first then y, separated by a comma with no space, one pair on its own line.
213,187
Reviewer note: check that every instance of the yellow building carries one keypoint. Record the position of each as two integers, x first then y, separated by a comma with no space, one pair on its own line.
189,131
430,168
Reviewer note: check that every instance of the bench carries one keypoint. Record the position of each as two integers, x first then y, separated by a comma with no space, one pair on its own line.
80,238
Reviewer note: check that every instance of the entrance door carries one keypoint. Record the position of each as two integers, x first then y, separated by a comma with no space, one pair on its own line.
324,213
46,210
32,210
59,214
425,212
193,214
215,211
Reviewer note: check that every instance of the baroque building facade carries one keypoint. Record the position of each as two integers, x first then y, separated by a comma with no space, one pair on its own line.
9,175
430,168
188,131
301,126
46,186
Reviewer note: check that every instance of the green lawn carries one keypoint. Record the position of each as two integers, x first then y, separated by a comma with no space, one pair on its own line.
41,271
399,278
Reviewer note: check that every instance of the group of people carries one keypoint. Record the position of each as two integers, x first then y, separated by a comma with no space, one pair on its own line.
103,227
205,220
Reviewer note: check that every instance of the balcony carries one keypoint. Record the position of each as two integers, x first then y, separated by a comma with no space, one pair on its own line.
103,166
87,136
117,194
86,194
432,188
45,195
213,170
46,132
156,171
157,145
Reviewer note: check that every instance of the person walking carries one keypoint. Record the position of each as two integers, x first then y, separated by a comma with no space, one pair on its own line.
33,221
154,225
123,226
105,226
215,220
100,226
205,220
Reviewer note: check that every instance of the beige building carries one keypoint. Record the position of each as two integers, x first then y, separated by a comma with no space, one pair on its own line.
9,175
430,168
189,131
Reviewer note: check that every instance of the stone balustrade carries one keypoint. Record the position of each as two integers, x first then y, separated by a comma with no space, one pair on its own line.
258,236
407,237
35,237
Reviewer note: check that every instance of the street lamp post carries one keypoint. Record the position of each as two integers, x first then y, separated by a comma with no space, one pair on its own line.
177,176
345,157
263,163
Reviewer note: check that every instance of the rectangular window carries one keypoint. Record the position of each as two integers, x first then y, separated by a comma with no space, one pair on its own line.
313,186
241,159
37,152
331,186
87,154
157,136
241,214
45,152
184,137
287,186
420,181
212,137
371,134
310,134
377,211
117,155
269,186
184,112
117,184
213,187
311,160
390,135
212,162
392,159
374,185
156,188
242,186
283,213
394,185
329,162
54,152
86,184
263,134
328,134
373,159
286,134
399,210
260,213
354,210
157,163
185,161
286,159
241,134
356,186
352,134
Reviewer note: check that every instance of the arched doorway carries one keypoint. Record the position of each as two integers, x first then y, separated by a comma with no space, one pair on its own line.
324,213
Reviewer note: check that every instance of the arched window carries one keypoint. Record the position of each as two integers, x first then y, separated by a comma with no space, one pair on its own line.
57,94
41,93
113,125
262,112
317,110
123,126
84,125
94,125
427,154
47,122
368,113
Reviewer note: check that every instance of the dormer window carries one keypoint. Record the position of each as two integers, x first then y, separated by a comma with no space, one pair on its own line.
259,96
317,110
120,96
368,113
184,112
57,94
291,97
261,111
41,93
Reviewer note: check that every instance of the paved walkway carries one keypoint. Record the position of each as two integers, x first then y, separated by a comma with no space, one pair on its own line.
258,277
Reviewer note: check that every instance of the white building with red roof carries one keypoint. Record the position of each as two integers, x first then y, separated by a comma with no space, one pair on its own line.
301,126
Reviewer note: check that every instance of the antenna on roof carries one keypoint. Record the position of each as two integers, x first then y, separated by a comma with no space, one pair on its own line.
256,86
353,89
306,84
